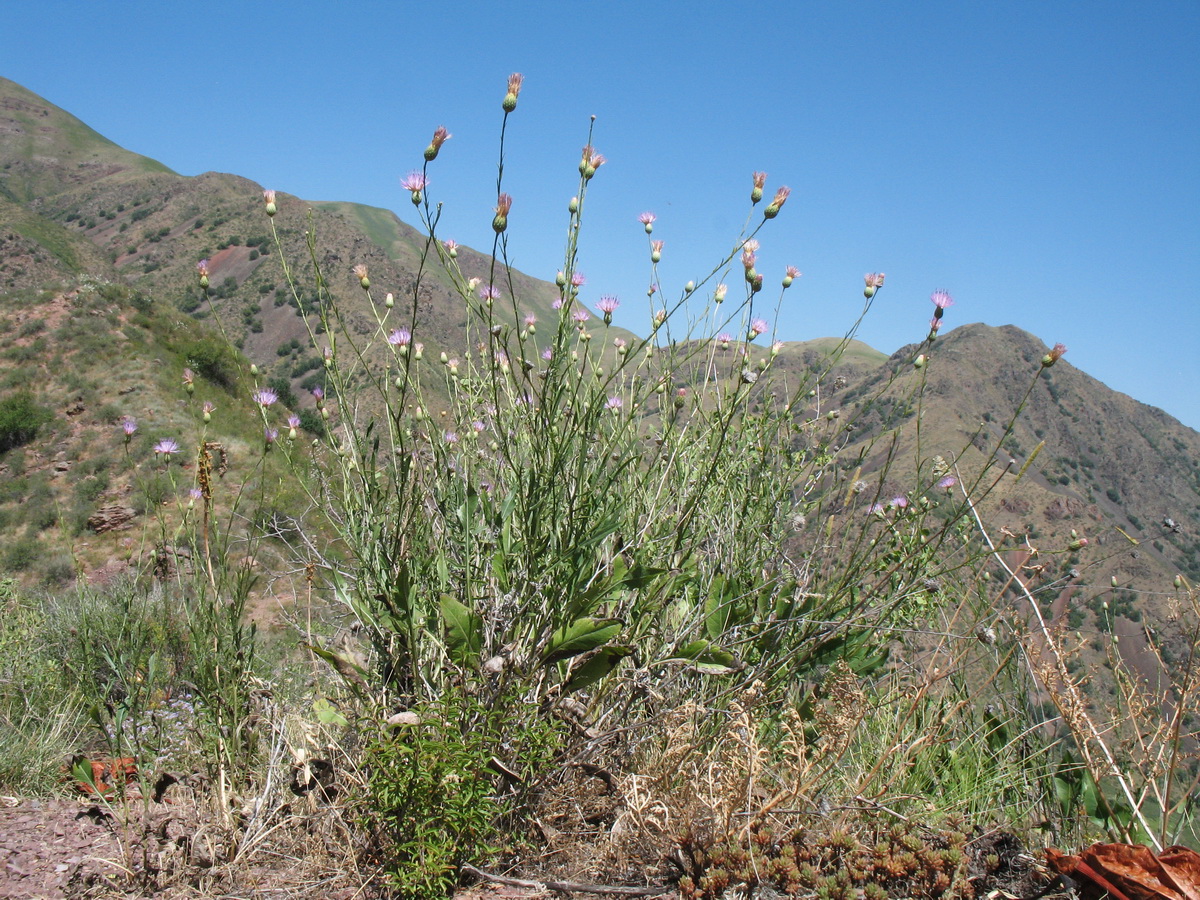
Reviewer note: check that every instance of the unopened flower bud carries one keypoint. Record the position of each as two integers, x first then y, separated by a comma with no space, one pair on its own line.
573,206
503,206
440,136
756,192
772,209
1055,354
514,90
689,287
253,370
561,279
389,301
919,362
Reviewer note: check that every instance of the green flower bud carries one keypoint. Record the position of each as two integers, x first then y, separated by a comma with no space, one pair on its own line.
573,206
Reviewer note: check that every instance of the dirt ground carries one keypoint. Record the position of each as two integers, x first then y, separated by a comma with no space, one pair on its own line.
77,848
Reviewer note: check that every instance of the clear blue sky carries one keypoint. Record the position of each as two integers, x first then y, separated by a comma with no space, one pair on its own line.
1038,160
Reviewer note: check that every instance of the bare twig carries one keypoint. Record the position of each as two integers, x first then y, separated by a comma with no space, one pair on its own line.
567,887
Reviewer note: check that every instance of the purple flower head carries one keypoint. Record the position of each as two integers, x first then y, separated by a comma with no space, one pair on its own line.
558,303
900,502
478,426
941,299
188,376
580,316
451,437
614,403
724,338
948,482
202,268
318,393
270,435
758,326
451,246
400,337
209,407
608,305
530,320
876,508
166,447
748,259
577,279
195,493
548,354
414,181
264,397
792,272
128,425
489,293
293,421
647,218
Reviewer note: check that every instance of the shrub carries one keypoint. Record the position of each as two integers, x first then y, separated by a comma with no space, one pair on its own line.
20,420
213,359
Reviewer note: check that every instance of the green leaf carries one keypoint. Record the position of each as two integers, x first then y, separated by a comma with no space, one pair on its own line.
719,607
596,667
81,771
351,671
328,714
581,636
464,629
706,657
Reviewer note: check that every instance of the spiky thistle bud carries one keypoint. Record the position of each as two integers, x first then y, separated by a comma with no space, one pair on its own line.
440,136
515,80
503,205
756,192
776,204
1055,354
